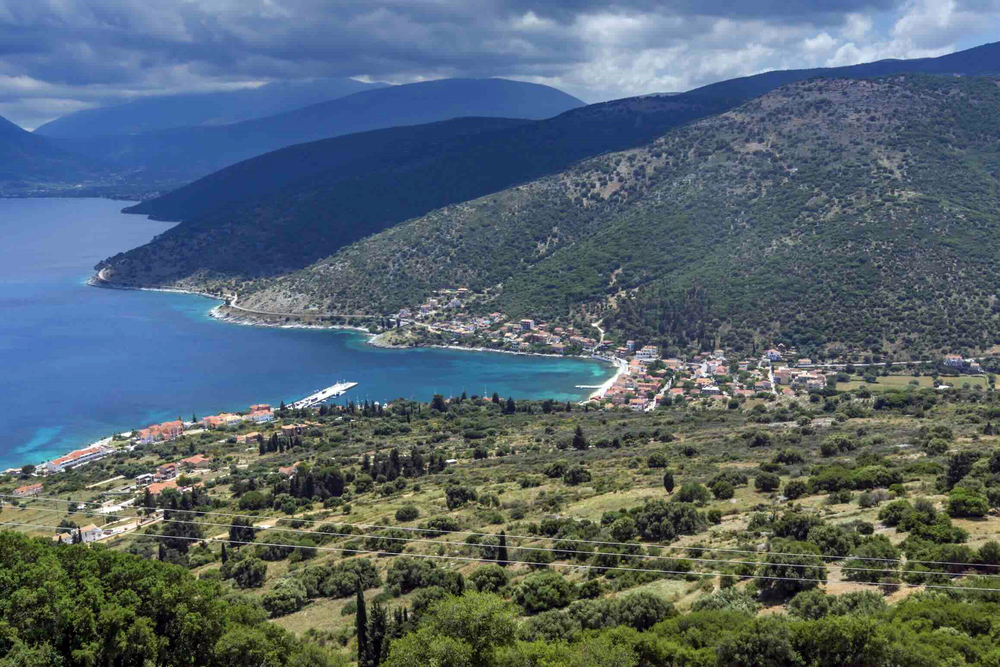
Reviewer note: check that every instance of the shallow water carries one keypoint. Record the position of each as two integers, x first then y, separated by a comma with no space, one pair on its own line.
80,363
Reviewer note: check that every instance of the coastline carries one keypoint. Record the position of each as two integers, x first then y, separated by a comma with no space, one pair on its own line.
249,321
621,367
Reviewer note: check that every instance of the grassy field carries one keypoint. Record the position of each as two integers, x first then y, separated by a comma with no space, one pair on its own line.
903,382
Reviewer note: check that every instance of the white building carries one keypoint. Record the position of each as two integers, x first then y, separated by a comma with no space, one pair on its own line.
648,353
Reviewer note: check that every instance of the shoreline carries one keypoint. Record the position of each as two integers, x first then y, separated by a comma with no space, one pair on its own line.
248,321
621,367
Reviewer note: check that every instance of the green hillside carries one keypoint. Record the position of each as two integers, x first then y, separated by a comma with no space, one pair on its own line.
827,212
332,193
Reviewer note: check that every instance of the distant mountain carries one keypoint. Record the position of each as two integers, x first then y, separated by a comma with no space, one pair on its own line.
28,161
828,213
183,154
194,109
381,179
977,61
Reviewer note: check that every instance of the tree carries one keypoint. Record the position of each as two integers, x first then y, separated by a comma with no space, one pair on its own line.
377,636
502,557
437,403
579,441
543,591
225,554
496,398
249,572
964,502
668,481
241,529
576,475
511,406
489,578
457,495
27,470
791,567
361,626
766,481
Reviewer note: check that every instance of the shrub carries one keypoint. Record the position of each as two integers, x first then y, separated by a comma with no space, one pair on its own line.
287,596
489,578
457,495
577,475
795,489
657,460
723,490
543,591
407,513
963,502
766,481
692,492
556,469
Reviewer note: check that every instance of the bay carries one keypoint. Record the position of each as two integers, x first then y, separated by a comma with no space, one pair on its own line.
78,363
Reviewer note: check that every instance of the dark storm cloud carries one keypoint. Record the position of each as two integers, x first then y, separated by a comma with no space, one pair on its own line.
63,54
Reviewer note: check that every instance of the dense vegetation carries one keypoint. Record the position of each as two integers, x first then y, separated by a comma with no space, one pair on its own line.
483,531
828,213
382,179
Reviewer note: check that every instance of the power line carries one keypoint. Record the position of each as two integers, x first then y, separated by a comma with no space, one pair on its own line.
544,537
409,540
533,564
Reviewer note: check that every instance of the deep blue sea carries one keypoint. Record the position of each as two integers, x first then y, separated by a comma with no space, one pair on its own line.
79,363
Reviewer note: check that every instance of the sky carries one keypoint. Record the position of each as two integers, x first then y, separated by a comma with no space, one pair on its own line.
59,56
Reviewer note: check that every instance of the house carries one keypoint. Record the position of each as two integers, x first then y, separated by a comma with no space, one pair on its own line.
954,361
648,353
630,345
638,404
805,361
76,458
261,416
90,533
144,480
773,355
28,490
195,461
166,471
288,471
159,487
172,430
253,436
527,325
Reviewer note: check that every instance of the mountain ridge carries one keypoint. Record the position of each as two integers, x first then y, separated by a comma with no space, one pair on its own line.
812,215
183,154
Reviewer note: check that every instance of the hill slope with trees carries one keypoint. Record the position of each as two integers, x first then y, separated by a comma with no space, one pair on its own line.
827,212
27,160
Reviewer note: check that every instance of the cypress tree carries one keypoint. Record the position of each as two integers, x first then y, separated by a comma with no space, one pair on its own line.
496,398
361,627
502,557
378,645
225,554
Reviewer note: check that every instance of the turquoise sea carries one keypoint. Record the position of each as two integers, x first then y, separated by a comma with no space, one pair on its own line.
79,363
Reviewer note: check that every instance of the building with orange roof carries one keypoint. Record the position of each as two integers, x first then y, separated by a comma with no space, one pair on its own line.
76,458
195,461
28,490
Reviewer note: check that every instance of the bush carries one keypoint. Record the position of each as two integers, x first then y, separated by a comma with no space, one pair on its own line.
714,516
577,475
407,513
556,469
692,492
963,502
543,591
766,481
287,596
457,495
657,460
723,490
489,578
795,489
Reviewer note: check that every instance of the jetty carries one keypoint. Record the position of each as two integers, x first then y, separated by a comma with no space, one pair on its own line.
322,395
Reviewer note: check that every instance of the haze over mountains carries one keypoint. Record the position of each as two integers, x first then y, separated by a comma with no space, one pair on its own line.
195,109
181,154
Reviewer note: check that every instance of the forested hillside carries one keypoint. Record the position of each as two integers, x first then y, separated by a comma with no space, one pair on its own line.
395,175
826,212
72,605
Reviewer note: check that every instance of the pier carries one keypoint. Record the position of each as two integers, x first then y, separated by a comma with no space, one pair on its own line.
336,390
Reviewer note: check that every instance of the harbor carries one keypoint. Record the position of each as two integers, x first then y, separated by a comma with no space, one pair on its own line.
323,395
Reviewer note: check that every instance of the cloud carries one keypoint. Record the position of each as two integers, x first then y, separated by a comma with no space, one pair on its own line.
62,54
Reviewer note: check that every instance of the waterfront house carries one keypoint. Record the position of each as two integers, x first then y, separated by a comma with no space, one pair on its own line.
648,353
28,490
76,458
